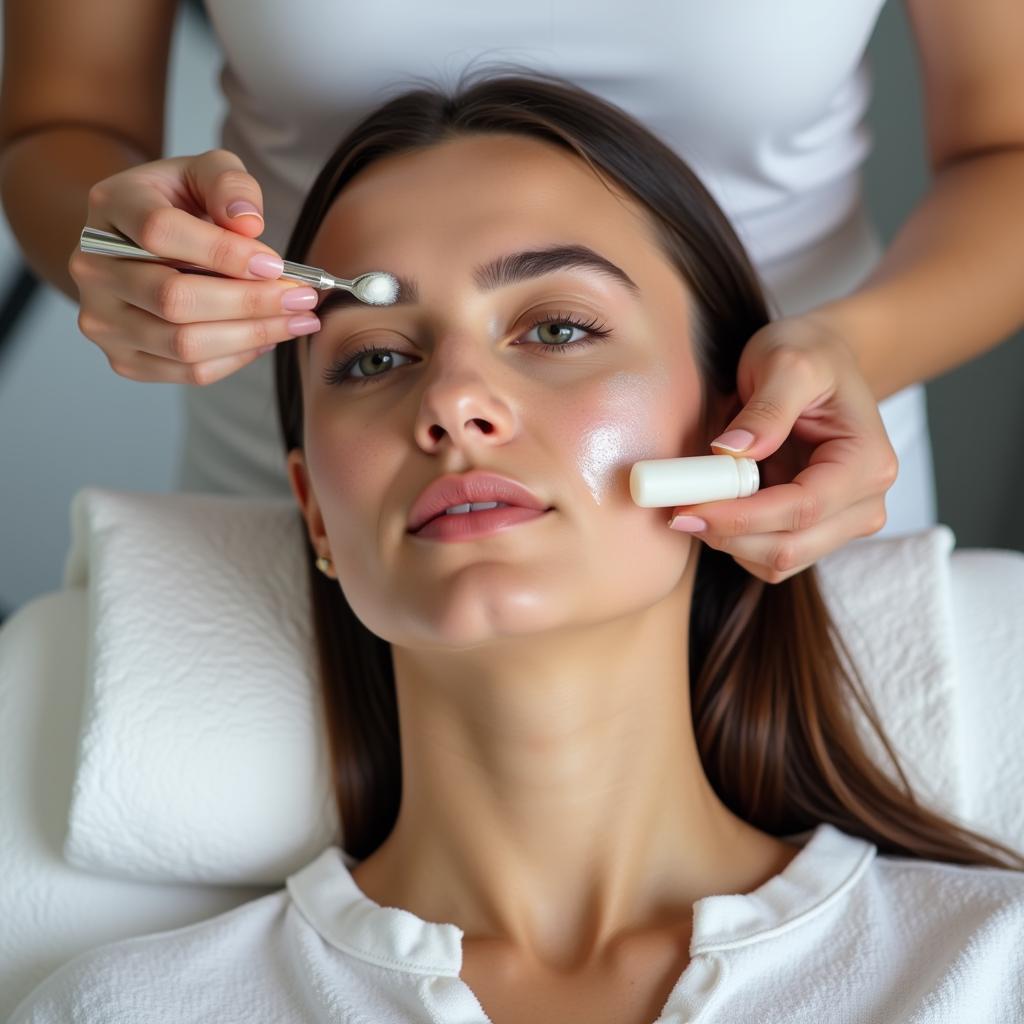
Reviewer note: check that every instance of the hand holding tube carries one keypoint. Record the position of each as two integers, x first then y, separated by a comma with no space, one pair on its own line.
824,456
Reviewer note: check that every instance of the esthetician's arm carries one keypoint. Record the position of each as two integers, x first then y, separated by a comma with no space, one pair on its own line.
947,289
82,99
950,284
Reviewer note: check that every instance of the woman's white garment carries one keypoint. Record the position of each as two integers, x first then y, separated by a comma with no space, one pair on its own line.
842,934
764,101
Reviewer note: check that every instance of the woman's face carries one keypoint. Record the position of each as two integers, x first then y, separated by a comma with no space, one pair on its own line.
469,386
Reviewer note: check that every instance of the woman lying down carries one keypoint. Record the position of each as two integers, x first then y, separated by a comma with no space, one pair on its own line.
589,768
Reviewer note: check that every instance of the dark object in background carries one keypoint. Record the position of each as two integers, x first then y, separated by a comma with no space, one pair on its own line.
21,288
199,7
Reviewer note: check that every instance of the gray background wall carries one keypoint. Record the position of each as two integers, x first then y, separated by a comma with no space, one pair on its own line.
976,412
68,421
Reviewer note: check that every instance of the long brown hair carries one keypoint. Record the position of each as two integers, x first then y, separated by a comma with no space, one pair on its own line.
772,684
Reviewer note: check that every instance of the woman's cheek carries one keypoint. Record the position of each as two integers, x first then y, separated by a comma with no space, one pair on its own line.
629,417
348,476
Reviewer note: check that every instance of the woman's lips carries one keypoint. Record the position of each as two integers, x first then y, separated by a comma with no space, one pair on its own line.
471,525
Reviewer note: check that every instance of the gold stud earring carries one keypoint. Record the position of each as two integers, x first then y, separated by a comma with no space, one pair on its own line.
323,564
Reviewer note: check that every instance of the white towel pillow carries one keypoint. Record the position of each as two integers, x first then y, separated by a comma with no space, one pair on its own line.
202,754
201,757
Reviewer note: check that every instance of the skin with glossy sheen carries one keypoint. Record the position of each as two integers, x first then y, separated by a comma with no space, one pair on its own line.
554,804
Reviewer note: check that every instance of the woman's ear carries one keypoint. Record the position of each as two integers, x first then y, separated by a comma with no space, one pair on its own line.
298,477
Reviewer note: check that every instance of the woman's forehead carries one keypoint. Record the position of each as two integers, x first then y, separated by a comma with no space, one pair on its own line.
467,190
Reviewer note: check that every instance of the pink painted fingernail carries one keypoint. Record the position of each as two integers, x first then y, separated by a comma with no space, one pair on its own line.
734,440
688,524
243,208
305,323
265,265
299,298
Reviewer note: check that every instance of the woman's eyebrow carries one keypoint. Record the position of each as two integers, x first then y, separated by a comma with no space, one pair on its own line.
500,273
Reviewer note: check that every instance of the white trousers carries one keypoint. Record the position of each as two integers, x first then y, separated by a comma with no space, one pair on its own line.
232,443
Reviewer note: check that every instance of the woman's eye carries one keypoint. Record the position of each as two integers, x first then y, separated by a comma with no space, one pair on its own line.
367,361
555,334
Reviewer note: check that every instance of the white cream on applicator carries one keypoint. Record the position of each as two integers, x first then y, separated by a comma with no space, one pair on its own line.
661,483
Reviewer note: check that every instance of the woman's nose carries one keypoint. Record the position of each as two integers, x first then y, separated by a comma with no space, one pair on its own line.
464,400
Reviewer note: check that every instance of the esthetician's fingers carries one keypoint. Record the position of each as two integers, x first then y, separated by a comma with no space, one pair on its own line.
797,377
811,421
152,368
148,348
200,209
181,209
774,557
188,308
839,477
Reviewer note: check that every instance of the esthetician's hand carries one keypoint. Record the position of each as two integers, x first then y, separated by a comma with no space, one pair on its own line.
813,426
158,323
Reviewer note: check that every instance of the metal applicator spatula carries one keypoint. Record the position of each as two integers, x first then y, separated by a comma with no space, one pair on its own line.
376,287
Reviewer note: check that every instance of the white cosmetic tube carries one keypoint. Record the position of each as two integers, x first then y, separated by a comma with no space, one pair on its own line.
661,483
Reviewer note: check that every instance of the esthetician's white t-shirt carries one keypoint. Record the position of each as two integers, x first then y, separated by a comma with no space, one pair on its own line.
765,101
841,936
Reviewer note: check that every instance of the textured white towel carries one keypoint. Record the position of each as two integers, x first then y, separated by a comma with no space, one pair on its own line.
892,601
202,756
988,601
